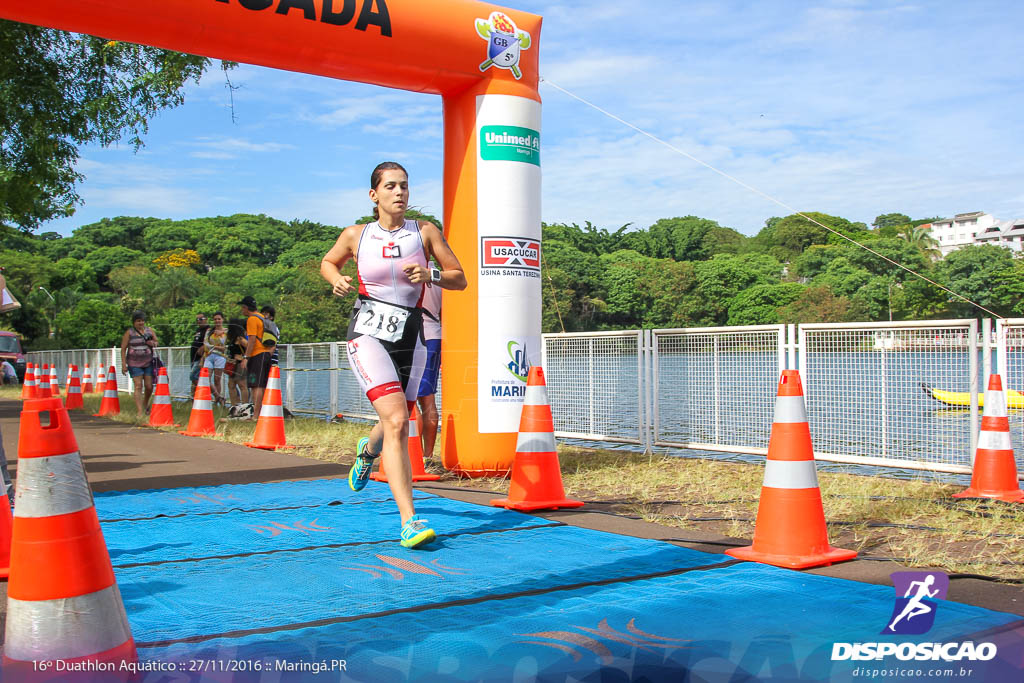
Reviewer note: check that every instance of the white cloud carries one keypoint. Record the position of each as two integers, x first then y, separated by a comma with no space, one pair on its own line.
233,148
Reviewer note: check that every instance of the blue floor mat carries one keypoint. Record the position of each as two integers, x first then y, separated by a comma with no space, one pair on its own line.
237,532
143,504
184,599
739,623
498,597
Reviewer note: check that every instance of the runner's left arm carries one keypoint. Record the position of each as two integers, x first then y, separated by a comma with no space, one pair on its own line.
452,275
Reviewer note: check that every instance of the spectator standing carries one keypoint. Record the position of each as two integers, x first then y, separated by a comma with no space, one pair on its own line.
196,357
256,363
271,333
428,383
237,388
137,349
215,346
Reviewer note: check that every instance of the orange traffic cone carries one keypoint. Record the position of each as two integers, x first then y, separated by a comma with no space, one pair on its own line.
419,472
62,600
995,469
111,404
270,426
74,398
54,384
101,380
790,530
160,412
43,382
536,476
87,381
29,389
200,420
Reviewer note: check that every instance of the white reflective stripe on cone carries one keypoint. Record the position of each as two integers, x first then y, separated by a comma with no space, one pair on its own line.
161,400
535,442
790,409
65,628
273,383
202,404
271,411
994,441
203,382
414,428
536,396
995,404
110,393
52,485
76,389
790,474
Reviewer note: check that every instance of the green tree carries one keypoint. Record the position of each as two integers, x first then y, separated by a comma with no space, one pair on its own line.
921,238
168,236
760,304
647,292
887,220
815,259
175,286
843,277
978,272
818,304
105,259
573,289
91,324
723,276
74,273
63,90
302,252
720,240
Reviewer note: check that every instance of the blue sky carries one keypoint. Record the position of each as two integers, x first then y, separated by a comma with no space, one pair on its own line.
847,107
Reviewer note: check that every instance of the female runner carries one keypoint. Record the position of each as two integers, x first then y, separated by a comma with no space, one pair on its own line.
385,344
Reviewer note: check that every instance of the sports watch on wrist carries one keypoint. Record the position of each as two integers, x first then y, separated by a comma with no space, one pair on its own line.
435,275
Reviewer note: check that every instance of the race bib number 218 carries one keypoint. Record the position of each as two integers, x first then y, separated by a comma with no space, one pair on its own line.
381,320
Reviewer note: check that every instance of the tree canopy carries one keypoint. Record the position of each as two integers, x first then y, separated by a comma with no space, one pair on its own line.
59,91
679,272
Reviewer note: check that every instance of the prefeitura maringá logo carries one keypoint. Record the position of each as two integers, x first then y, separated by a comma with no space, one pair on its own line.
504,41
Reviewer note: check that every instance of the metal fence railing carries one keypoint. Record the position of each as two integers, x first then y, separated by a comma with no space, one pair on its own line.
713,389
595,385
866,390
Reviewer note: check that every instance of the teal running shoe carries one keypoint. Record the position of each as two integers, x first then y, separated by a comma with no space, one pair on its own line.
360,472
415,532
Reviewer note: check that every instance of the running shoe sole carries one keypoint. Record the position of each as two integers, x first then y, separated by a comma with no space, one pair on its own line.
422,538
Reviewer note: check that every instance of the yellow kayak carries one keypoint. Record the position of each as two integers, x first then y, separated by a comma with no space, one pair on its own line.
1014,399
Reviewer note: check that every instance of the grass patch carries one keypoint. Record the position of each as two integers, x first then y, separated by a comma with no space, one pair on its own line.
916,522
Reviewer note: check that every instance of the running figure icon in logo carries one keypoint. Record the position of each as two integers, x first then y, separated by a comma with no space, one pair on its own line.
918,601
504,41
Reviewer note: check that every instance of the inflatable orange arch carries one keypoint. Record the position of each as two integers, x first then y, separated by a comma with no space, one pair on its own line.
483,60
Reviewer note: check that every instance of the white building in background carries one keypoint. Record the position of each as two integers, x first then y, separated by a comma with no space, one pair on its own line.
977,227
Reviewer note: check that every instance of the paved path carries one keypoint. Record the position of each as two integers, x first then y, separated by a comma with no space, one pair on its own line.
119,457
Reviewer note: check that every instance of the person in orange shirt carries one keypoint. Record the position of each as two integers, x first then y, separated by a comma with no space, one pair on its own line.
256,364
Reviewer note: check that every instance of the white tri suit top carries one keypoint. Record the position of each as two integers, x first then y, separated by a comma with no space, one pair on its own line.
385,340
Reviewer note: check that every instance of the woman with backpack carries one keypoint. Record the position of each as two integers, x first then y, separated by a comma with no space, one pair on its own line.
215,344
137,354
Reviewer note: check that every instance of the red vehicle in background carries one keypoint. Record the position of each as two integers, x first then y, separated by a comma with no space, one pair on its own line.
10,350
